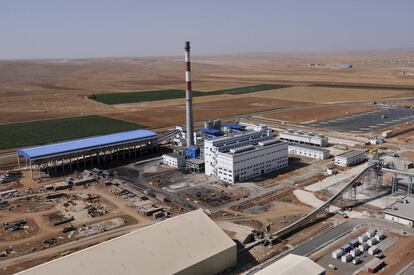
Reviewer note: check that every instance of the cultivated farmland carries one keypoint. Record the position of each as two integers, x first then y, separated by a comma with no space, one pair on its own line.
48,131
130,97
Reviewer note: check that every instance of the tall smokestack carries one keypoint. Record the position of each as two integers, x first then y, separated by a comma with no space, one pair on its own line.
188,96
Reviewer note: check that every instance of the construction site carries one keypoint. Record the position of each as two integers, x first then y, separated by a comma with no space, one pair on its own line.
329,182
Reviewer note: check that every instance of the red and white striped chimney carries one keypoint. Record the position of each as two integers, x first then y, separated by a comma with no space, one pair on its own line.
188,96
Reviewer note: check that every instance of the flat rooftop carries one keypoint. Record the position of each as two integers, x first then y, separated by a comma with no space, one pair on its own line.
234,135
303,134
249,148
167,247
195,160
350,154
84,144
316,148
401,209
174,155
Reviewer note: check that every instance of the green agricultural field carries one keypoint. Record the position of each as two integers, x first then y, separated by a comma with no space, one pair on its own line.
48,131
120,98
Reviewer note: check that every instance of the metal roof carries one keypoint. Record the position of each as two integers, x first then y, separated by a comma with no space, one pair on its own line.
213,132
350,154
250,148
84,144
234,126
310,147
172,246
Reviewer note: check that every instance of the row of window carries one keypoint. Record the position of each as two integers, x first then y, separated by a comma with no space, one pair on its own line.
260,156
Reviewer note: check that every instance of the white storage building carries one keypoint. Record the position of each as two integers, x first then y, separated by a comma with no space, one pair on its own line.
401,212
251,161
187,244
350,158
308,151
293,265
304,138
173,160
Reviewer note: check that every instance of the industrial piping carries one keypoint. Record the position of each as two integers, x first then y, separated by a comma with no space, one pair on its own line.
188,96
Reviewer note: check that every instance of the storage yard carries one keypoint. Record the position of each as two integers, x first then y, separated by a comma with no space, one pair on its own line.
276,167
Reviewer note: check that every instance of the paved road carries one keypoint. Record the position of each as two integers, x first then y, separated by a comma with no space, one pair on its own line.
368,121
407,270
312,245
315,243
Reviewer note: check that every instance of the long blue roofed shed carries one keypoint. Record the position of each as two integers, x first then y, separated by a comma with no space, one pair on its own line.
84,144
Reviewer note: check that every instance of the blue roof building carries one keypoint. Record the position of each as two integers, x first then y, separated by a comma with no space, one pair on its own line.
235,126
134,143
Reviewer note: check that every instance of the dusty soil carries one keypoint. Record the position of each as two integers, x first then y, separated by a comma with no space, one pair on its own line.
37,210
333,95
43,89
215,196
7,235
276,213
162,116
407,138
320,113
296,167
399,255
408,155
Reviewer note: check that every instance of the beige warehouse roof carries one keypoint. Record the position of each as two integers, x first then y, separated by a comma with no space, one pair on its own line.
167,247
293,265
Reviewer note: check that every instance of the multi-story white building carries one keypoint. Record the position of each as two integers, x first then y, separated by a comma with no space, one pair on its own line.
304,138
223,144
251,161
308,151
173,160
350,158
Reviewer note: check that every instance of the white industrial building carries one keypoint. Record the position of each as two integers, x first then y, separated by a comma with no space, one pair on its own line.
350,158
401,212
293,265
223,144
308,151
308,138
251,161
187,244
173,160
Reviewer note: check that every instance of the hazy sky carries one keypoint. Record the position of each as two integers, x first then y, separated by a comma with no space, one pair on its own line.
100,28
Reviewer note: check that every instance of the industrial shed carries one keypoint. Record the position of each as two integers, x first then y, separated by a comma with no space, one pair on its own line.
293,265
401,212
350,158
308,151
187,244
87,152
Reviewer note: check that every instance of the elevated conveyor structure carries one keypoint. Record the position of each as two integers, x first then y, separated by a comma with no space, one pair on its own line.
313,216
168,136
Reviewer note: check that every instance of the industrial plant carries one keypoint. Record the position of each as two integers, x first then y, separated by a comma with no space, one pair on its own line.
245,194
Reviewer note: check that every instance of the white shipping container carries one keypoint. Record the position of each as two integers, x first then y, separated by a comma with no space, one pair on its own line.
363,247
337,254
373,250
355,252
372,241
370,233
380,235
346,258
363,238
